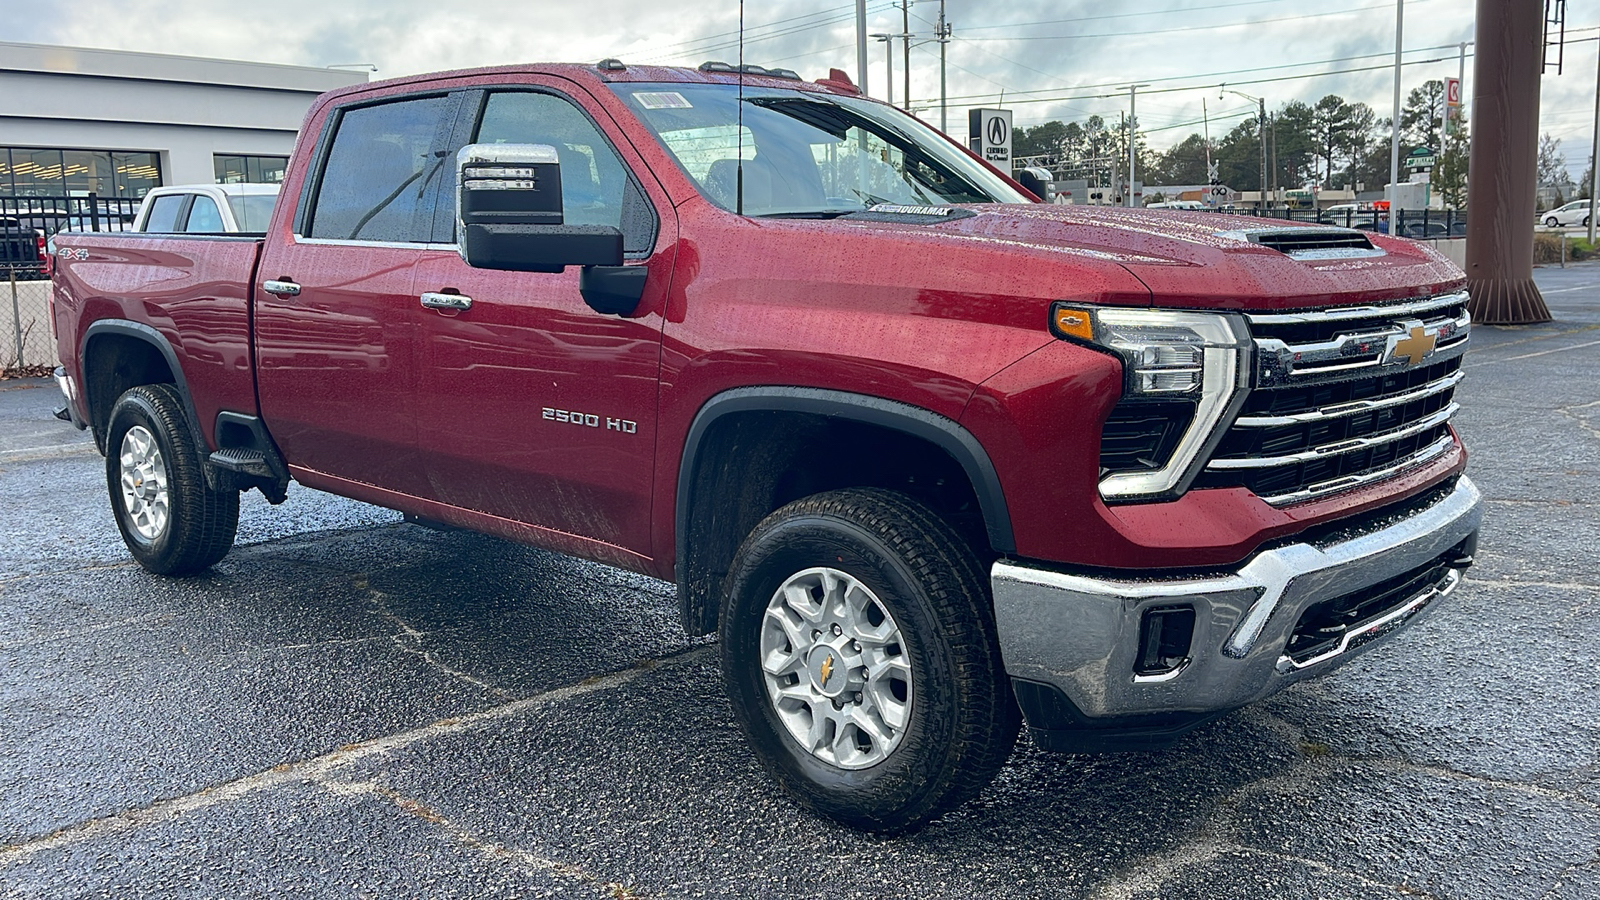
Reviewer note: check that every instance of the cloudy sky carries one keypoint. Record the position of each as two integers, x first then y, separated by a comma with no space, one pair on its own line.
1051,58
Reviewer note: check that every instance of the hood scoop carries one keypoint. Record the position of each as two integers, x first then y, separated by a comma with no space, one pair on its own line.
1310,243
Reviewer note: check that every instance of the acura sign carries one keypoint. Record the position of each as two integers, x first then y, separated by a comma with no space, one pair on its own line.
989,136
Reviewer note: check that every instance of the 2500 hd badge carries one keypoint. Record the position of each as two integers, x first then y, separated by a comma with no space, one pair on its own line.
573,417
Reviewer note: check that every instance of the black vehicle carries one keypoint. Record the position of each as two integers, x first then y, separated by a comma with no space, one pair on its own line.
21,249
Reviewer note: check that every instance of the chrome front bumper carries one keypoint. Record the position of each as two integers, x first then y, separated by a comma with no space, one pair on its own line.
1080,634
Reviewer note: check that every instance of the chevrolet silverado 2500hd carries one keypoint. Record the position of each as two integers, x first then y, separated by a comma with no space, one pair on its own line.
934,459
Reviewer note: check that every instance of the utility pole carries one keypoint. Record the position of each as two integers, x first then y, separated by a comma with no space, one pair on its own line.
861,45
944,42
1133,143
905,53
1394,138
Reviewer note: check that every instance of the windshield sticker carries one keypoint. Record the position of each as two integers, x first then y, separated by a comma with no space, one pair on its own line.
662,100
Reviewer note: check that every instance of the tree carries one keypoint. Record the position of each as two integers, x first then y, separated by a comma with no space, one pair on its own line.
1419,117
1357,142
1295,131
1184,163
1238,157
1552,162
1330,122
1450,175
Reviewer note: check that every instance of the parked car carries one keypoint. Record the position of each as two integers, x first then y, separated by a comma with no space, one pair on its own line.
21,249
934,460
207,209
1574,213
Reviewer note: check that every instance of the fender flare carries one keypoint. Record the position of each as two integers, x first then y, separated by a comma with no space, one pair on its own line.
145,333
942,432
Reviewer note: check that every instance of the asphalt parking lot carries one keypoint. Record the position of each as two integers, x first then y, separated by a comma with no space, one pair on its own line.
350,706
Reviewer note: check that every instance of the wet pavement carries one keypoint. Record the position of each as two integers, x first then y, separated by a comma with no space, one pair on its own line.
350,706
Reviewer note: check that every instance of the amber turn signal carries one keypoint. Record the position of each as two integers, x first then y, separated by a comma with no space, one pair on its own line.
1072,322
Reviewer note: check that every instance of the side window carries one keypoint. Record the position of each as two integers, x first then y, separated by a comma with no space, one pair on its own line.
595,187
164,214
203,216
377,183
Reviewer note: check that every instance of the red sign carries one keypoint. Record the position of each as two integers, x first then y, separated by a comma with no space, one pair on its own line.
1452,91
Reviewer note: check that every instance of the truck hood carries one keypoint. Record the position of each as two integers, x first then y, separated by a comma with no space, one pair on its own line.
1191,259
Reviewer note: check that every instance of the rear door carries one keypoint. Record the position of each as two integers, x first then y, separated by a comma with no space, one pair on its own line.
336,315
532,406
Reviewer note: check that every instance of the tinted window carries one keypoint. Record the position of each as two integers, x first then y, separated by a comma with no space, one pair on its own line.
164,213
378,182
203,216
595,187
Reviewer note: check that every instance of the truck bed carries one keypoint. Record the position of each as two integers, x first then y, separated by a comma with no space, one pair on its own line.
193,290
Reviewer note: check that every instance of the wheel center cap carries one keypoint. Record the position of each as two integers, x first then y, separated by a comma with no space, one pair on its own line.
827,671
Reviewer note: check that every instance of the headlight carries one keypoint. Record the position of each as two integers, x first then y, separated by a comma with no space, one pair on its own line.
1167,355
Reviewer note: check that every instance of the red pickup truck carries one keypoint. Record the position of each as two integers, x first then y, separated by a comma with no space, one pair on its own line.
933,458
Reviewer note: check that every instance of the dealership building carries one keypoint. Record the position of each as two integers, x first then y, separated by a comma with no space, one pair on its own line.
76,121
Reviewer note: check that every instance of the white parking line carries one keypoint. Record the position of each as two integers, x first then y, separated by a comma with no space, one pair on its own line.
1490,362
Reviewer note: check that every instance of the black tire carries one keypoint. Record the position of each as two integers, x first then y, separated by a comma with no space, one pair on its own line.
1552,223
200,523
1586,221
963,720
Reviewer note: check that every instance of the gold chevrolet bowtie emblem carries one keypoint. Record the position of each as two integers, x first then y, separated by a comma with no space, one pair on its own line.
827,670
1414,347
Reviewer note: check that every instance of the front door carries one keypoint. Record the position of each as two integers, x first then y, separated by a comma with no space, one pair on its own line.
532,406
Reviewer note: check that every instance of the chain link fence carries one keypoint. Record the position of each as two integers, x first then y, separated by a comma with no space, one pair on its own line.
26,226
25,342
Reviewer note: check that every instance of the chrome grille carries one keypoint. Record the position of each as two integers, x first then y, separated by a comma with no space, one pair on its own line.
1343,398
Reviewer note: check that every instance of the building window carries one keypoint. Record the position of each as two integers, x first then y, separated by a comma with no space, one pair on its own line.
29,172
250,169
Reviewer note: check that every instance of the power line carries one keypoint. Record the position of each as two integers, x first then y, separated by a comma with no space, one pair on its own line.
1296,65
1107,34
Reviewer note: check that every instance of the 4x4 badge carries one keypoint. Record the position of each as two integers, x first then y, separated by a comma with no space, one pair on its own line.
1415,346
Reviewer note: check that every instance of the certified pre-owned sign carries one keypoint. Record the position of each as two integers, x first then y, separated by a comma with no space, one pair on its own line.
989,135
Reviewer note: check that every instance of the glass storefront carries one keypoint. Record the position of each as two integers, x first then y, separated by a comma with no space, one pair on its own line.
250,169
37,172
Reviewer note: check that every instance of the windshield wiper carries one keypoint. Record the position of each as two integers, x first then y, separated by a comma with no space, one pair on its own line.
807,214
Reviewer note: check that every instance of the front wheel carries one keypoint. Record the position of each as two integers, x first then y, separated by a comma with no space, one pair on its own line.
1551,222
859,651
171,520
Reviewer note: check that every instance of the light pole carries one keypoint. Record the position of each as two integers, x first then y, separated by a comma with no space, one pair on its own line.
944,42
1133,139
1394,137
888,56
1261,125
861,44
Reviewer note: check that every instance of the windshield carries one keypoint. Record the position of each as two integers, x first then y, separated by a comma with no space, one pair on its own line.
808,154
252,211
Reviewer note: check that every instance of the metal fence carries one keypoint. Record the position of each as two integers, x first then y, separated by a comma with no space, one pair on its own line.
1424,224
26,223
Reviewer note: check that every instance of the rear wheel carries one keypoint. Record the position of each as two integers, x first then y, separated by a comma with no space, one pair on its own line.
859,652
172,522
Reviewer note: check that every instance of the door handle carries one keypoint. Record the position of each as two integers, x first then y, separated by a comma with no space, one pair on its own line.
281,288
446,301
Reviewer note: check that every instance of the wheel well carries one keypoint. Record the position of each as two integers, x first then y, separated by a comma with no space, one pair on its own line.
112,363
748,464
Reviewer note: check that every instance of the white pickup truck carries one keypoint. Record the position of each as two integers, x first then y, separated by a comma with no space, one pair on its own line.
207,208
